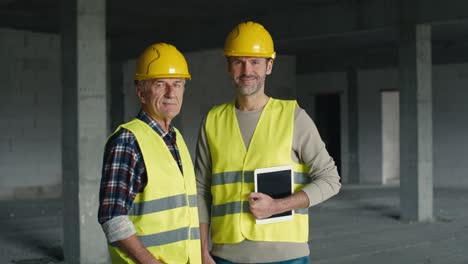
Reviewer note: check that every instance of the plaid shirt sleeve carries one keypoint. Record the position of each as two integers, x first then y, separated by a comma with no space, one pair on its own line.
123,176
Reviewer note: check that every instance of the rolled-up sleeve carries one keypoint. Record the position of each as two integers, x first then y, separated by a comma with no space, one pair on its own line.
310,150
123,176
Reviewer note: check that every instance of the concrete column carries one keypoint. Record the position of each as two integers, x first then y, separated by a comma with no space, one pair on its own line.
353,126
416,165
84,123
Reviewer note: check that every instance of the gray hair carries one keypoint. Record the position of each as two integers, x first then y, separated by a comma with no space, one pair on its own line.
142,84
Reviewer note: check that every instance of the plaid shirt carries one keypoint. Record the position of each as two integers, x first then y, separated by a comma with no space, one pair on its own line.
124,173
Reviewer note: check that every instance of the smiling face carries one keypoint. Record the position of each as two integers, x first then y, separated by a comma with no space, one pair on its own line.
161,99
249,73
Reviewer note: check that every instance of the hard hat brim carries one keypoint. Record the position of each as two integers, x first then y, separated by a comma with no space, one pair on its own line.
141,77
248,54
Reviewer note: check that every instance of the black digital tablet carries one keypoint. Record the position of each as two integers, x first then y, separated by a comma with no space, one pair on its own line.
277,182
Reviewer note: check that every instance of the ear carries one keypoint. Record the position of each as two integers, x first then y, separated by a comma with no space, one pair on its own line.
269,66
140,94
228,65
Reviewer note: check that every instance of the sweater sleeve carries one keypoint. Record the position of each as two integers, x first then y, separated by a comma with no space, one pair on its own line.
309,149
203,175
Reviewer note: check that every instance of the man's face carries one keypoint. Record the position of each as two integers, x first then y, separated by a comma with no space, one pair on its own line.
162,98
249,73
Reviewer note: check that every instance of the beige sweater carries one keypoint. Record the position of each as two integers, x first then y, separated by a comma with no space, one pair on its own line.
307,148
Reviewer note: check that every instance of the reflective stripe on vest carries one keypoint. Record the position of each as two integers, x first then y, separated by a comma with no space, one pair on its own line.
162,204
168,237
165,215
232,172
300,179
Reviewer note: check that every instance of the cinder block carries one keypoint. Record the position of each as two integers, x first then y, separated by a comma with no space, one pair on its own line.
10,40
36,64
37,192
12,128
6,194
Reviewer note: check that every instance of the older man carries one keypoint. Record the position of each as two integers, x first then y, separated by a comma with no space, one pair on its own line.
148,194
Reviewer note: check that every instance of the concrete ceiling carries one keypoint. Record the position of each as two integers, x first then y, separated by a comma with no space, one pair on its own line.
313,29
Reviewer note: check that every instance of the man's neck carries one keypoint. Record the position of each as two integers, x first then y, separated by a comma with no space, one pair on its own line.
251,102
164,123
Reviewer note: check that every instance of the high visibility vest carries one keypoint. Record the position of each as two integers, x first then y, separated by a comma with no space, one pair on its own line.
232,173
165,214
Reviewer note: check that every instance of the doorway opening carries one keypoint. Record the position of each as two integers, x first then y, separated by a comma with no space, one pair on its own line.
328,122
390,137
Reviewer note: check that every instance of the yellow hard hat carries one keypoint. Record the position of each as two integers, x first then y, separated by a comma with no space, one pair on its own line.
161,60
249,39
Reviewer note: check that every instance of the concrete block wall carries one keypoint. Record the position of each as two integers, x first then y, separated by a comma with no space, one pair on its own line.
130,100
450,124
30,113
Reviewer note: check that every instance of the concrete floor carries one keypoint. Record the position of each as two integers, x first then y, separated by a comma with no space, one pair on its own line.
31,232
360,225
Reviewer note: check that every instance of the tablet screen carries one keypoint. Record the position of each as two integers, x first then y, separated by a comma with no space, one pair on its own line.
276,182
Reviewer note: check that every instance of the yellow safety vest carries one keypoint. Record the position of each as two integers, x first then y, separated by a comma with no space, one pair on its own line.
232,172
165,214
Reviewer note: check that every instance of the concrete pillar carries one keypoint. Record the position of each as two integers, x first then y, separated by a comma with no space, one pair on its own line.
353,126
84,127
416,165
